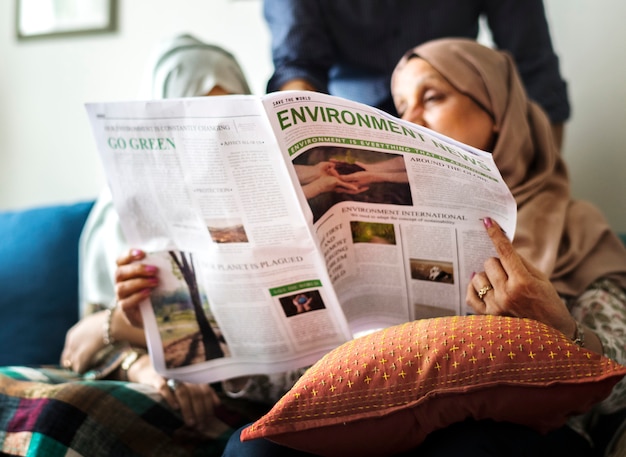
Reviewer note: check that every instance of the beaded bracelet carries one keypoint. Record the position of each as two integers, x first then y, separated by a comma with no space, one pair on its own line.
579,336
106,336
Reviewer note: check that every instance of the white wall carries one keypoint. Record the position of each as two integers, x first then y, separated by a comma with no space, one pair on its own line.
590,37
47,154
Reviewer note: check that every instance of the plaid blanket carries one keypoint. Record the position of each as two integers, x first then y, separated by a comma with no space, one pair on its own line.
50,412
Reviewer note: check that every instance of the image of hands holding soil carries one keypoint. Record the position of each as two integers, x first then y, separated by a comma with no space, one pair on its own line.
301,302
329,175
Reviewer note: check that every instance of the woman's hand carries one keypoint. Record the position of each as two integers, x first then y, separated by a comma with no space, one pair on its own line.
513,287
196,402
83,341
134,282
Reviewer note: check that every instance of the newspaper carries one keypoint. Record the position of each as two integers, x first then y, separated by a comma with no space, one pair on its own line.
284,225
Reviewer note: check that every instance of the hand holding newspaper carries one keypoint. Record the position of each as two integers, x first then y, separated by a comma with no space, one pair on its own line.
286,224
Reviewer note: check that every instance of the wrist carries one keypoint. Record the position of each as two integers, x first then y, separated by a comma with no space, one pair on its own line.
129,364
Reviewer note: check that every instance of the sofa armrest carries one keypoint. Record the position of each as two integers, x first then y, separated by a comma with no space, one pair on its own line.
39,277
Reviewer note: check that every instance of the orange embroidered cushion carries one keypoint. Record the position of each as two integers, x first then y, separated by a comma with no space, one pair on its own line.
385,392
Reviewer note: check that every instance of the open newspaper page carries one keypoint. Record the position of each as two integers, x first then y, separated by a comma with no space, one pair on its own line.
201,185
396,209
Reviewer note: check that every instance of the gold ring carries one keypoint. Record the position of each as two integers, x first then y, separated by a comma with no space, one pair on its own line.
483,291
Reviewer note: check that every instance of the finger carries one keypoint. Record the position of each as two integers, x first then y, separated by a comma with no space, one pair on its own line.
495,273
131,306
480,304
168,395
66,360
129,287
80,366
203,406
478,281
510,260
131,256
186,405
135,270
212,402
130,302
473,301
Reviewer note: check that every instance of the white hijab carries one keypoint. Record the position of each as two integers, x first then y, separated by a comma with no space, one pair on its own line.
183,66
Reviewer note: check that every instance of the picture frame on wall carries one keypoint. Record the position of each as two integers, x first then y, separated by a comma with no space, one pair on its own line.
48,18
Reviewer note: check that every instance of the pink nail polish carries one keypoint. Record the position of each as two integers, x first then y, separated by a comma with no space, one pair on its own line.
473,274
487,222
135,252
150,268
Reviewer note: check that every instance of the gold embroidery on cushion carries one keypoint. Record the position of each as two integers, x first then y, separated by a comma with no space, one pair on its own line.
456,345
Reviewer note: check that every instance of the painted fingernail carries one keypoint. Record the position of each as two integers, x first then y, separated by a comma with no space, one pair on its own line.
135,252
487,222
473,274
150,268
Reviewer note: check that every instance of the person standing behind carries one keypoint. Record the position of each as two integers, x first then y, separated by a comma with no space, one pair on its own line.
349,48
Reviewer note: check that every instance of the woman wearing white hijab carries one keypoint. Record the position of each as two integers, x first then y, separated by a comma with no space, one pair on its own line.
182,66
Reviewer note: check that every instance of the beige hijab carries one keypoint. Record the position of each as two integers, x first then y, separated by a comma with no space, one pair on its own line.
568,240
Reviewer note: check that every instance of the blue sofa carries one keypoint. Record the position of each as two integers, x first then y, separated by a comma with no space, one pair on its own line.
39,277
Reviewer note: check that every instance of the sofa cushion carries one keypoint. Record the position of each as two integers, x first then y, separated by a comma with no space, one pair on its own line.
39,277
383,393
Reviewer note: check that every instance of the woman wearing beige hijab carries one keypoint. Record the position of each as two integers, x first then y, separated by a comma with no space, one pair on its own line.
567,268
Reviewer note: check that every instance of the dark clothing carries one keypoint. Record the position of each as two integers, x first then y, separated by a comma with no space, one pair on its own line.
349,48
465,439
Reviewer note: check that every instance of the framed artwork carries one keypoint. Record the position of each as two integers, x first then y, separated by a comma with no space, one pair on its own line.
46,18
